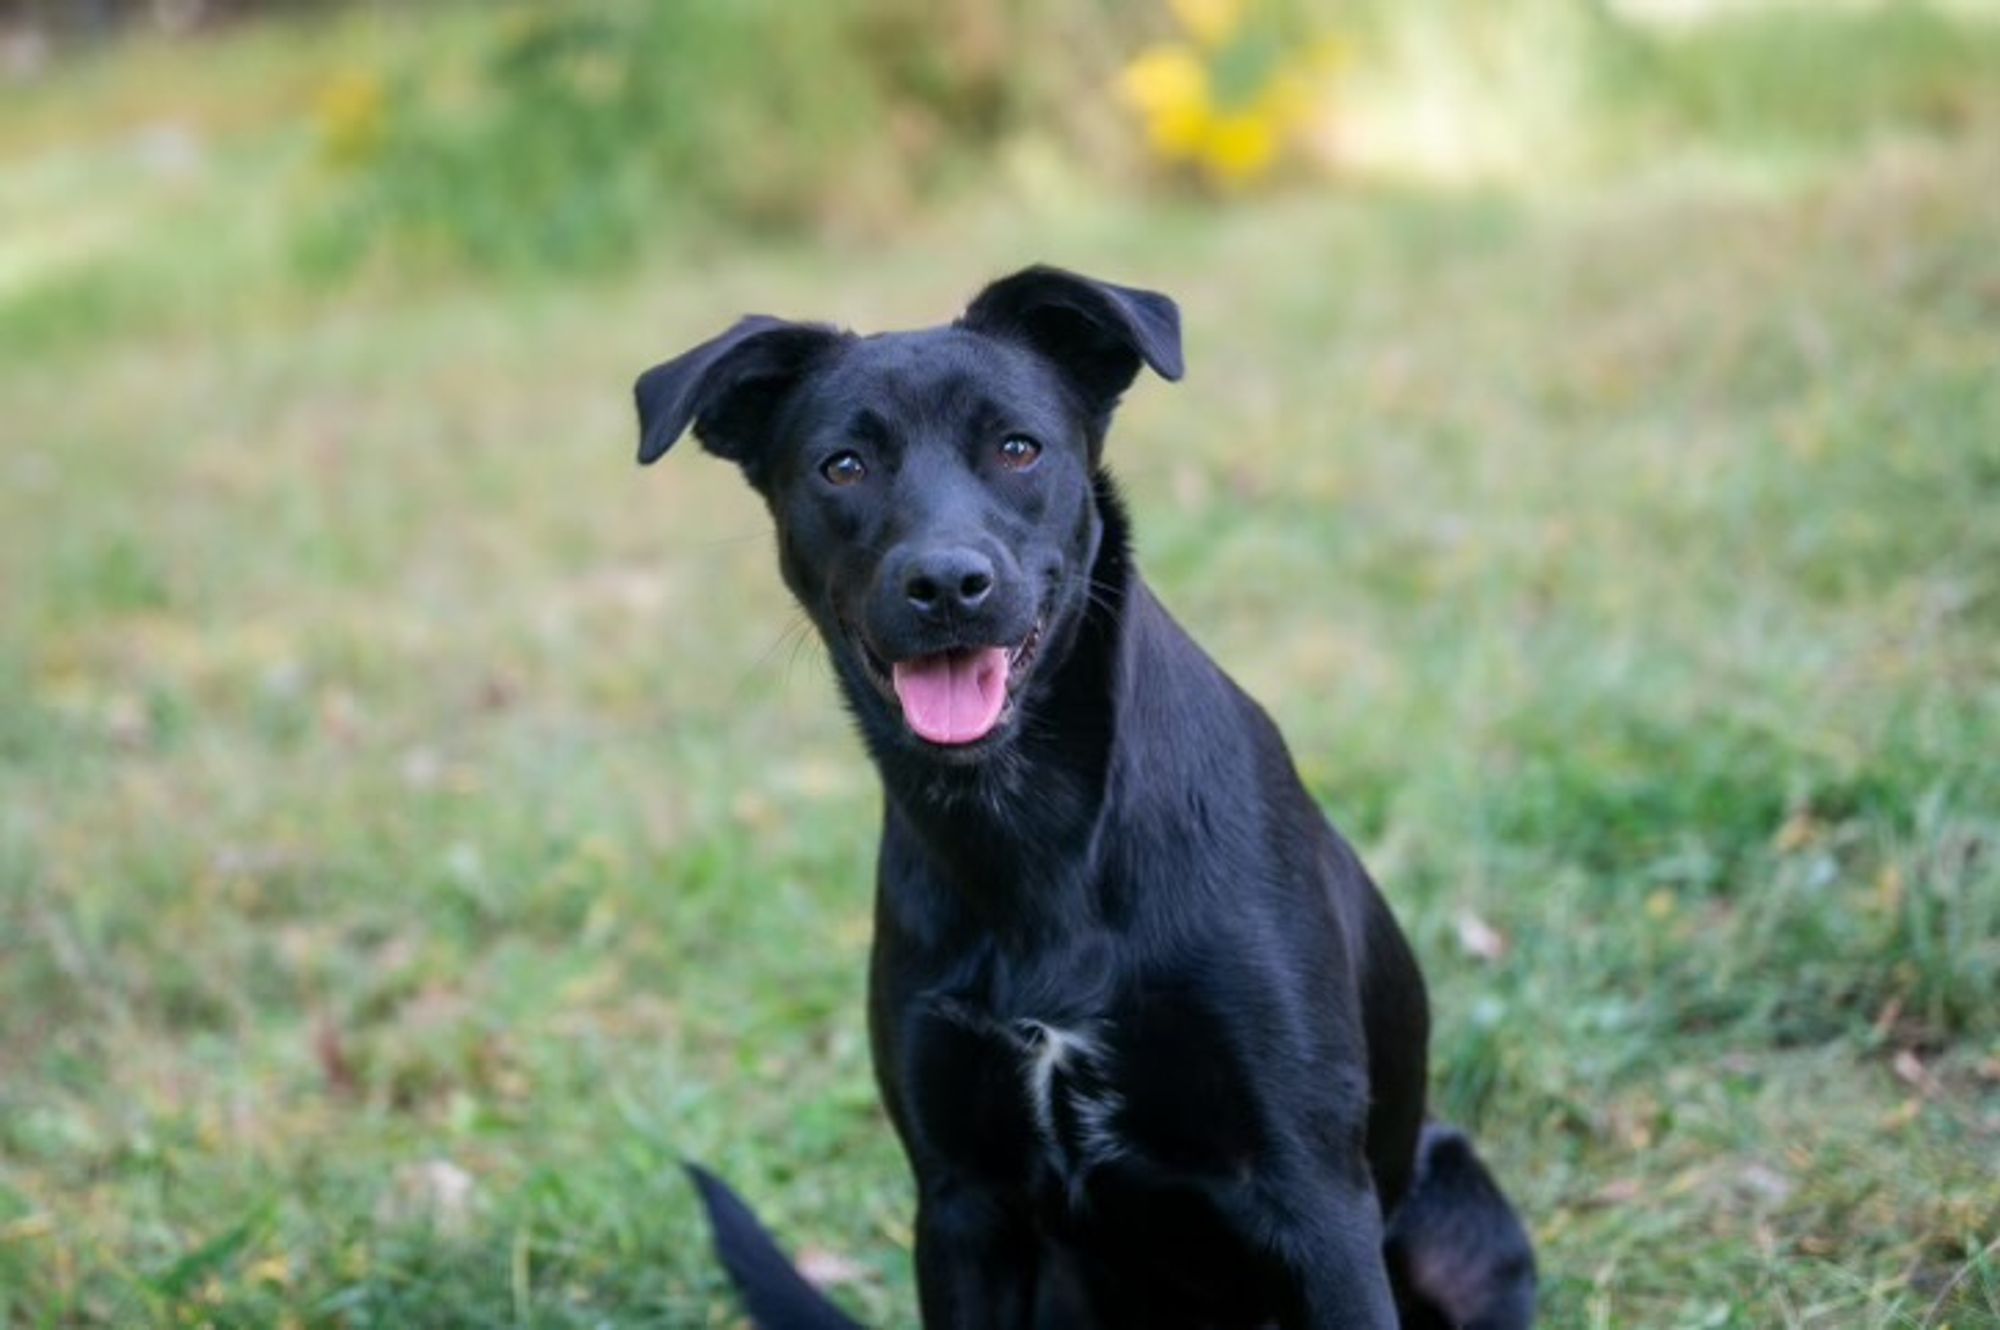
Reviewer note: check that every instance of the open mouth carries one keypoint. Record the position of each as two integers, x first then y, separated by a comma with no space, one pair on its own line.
957,697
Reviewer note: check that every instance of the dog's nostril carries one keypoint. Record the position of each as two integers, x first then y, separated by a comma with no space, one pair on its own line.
948,581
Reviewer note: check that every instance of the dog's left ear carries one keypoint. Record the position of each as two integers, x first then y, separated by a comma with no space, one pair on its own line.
1096,333
728,388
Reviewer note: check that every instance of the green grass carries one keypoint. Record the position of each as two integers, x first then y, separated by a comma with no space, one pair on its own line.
420,829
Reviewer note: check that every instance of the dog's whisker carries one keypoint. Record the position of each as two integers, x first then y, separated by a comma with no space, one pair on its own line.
797,630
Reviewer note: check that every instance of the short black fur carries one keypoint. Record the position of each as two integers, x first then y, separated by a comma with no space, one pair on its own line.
1151,1038
774,1293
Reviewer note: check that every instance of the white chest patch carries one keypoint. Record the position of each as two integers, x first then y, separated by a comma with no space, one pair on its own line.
1066,1075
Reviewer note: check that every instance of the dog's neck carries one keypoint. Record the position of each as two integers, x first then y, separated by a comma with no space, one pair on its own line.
1014,835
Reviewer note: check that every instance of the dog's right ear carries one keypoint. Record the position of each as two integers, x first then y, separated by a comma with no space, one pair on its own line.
728,387
1096,334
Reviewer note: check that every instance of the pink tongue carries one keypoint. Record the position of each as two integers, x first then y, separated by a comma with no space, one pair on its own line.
953,697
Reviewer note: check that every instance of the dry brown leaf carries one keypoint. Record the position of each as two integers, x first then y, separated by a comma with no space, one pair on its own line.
1478,938
1910,1070
829,1269
1618,1191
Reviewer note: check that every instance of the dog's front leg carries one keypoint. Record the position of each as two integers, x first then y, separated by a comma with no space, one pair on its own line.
1325,1241
976,1259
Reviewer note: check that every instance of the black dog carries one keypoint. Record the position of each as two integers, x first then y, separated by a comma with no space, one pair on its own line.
1151,1038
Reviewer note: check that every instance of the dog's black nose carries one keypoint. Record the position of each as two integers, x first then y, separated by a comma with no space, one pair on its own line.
948,580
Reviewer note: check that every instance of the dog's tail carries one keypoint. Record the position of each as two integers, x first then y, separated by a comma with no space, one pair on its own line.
775,1294
1459,1255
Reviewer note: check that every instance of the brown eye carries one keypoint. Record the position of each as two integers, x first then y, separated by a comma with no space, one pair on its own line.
1018,452
843,468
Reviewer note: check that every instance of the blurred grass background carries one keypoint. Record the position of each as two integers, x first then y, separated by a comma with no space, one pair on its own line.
419,829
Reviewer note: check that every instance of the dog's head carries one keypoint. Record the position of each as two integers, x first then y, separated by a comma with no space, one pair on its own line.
932,490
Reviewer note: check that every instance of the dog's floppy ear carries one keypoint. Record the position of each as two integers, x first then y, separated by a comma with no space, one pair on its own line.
1098,334
727,387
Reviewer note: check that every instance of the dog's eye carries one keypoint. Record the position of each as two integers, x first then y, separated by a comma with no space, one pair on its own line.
843,468
1018,452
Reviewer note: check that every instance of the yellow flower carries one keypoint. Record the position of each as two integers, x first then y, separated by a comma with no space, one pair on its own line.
1164,76
1210,22
1169,86
1227,103
1239,147
352,116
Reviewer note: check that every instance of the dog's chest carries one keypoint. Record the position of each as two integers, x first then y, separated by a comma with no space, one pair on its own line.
1151,1080
1008,1095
